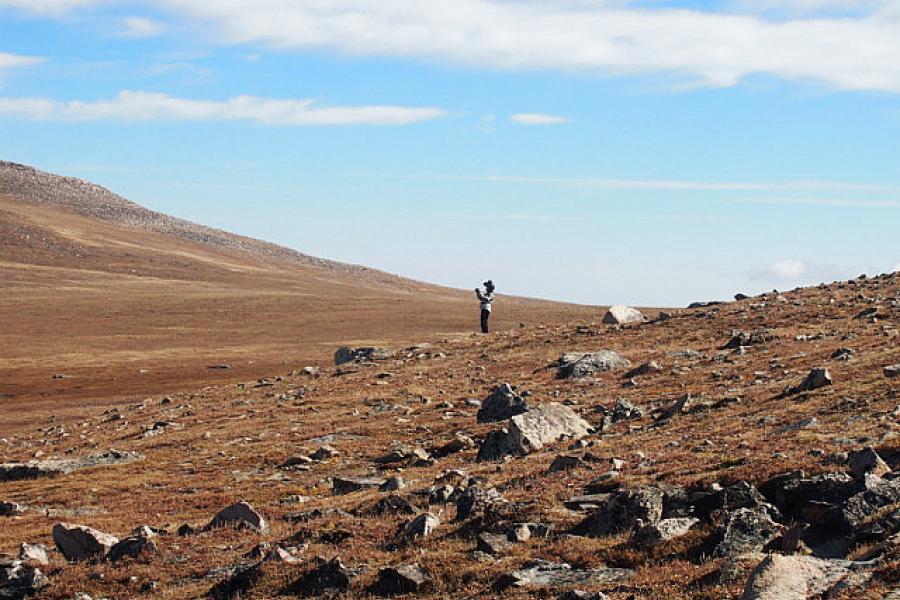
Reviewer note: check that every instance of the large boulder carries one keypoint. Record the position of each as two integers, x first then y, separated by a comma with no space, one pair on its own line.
578,365
420,527
79,542
530,431
502,404
622,315
868,462
240,515
328,579
624,510
780,577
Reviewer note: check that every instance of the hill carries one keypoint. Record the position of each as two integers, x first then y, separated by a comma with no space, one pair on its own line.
103,299
742,450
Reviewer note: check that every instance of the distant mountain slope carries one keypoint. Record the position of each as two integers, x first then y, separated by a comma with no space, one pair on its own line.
91,200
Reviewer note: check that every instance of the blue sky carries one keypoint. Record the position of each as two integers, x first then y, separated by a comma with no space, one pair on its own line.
598,151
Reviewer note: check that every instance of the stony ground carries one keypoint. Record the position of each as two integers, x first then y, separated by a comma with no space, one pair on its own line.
678,467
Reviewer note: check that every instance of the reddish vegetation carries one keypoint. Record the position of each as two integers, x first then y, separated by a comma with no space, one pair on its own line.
79,310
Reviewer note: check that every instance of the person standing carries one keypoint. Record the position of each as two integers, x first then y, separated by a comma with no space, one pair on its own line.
486,299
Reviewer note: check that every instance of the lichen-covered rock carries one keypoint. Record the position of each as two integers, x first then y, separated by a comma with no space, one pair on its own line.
623,511
578,365
663,531
746,530
402,579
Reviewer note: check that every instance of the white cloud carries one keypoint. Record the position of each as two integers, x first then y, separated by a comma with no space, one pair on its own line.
11,61
537,119
712,48
788,269
47,7
141,27
148,106
789,272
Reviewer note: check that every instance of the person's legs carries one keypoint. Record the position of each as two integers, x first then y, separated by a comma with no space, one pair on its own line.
485,314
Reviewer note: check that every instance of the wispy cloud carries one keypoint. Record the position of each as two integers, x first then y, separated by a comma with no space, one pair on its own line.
709,186
716,47
47,7
795,271
149,106
141,27
13,61
537,119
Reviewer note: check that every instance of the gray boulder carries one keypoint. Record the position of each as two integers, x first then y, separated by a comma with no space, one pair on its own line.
79,542
622,315
17,471
663,531
892,371
747,530
531,431
240,515
578,365
625,510
502,404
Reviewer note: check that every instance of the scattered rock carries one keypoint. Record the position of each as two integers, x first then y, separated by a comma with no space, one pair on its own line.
329,578
564,462
868,462
393,484
578,365
36,554
892,371
530,431
402,579
420,527
493,543
240,515
502,404
623,511
11,509
132,547
360,355
79,542
20,580
622,315
663,531
52,468
644,369
747,530
817,378
348,485
541,573
475,501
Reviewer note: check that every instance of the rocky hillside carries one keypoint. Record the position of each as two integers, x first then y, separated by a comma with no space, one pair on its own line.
91,200
742,450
